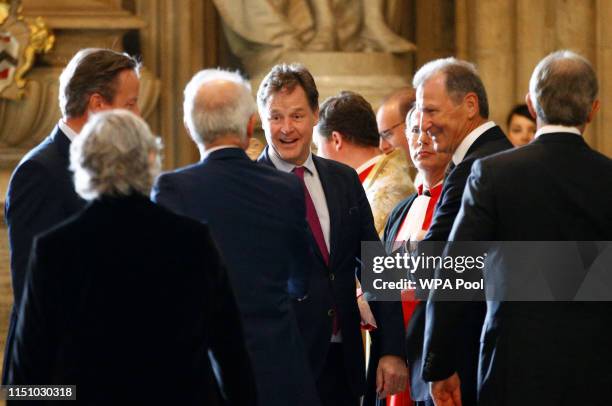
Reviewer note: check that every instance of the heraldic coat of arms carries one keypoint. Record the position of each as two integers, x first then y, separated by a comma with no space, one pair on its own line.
20,41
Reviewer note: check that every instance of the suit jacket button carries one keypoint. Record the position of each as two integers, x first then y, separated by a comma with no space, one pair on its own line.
332,276
331,312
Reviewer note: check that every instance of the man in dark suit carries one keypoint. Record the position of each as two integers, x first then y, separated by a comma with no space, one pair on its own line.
538,353
454,111
126,300
41,193
257,217
339,218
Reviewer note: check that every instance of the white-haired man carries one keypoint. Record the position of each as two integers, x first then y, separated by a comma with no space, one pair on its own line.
258,218
40,193
537,353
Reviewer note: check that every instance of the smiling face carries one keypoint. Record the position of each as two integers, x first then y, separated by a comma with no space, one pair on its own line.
444,120
288,121
426,159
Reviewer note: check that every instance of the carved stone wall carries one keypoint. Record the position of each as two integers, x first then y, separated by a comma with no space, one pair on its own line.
507,38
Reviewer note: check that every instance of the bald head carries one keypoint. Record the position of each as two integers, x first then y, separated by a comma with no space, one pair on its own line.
218,104
390,118
563,89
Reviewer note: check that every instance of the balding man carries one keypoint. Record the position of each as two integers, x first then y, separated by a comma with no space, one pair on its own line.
391,120
257,216
538,353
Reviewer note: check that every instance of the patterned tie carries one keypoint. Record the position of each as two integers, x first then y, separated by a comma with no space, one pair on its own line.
312,217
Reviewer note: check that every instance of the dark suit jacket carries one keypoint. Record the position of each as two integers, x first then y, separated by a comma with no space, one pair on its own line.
124,300
351,222
40,195
258,219
457,352
542,353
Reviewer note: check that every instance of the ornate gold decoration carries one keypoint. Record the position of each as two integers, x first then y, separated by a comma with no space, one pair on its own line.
20,41
41,41
5,9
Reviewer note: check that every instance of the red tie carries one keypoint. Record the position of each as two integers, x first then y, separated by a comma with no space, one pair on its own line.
312,217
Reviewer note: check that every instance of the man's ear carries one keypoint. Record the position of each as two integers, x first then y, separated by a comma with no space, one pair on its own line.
96,103
251,126
471,103
594,109
337,140
530,107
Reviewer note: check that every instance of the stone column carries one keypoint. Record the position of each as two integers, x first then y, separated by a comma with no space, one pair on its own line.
507,38
603,138
172,47
486,32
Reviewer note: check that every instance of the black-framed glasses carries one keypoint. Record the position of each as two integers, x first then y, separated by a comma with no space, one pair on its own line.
389,131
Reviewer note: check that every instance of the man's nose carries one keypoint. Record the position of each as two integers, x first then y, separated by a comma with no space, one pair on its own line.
286,125
385,146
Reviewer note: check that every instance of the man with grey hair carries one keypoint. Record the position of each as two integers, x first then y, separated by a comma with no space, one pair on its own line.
40,193
454,111
258,219
538,353
100,284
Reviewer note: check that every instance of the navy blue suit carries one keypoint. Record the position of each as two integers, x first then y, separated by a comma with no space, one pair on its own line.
459,350
257,217
333,286
40,195
538,353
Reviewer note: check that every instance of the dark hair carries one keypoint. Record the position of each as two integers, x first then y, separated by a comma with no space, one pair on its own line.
350,114
92,70
284,76
519,110
404,97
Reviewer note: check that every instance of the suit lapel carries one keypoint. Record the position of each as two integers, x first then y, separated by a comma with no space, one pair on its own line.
327,189
333,205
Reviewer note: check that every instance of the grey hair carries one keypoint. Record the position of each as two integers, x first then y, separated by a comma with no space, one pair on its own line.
563,88
209,121
112,156
461,78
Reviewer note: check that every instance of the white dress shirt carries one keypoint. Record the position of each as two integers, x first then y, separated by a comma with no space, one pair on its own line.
313,184
467,142
548,129
67,130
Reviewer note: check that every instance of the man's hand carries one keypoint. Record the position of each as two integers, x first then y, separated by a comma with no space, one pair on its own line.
391,376
446,392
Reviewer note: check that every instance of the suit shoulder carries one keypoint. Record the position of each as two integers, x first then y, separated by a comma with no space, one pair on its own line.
334,166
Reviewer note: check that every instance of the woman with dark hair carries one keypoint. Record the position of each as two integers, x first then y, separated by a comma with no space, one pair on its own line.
521,126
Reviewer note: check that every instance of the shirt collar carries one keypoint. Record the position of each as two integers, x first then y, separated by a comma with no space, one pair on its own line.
285,166
467,142
548,129
69,132
368,163
208,151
